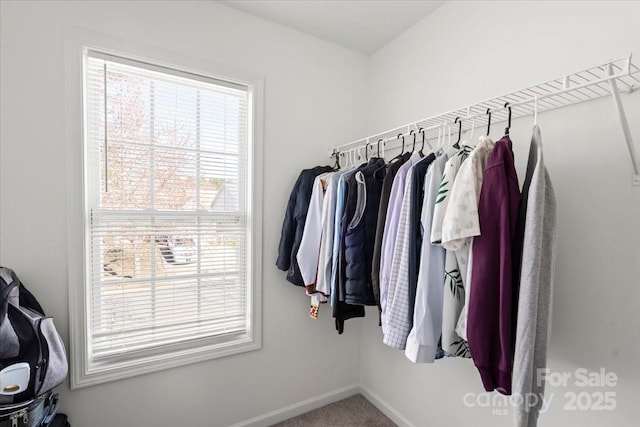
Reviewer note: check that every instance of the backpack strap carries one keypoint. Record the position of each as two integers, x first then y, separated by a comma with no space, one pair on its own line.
28,300
4,298
25,298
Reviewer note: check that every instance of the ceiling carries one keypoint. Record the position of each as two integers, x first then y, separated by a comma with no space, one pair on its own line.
362,25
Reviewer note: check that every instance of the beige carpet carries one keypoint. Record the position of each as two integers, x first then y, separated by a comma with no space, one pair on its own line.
355,411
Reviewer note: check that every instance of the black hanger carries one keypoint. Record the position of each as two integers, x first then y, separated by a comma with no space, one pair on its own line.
336,154
399,156
413,132
457,120
421,130
488,121
506,130
398,137
376,173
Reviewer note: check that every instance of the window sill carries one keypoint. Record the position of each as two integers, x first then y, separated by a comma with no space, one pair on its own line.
104,372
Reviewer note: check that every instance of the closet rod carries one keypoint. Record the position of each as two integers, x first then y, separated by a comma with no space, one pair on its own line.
607,79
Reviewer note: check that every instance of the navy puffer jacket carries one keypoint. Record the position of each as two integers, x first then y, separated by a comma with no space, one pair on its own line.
360,234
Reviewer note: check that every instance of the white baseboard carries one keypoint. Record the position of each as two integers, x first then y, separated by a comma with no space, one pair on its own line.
385,408
299,408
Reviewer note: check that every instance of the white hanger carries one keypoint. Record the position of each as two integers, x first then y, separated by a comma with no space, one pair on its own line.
473,129
441,143
449,149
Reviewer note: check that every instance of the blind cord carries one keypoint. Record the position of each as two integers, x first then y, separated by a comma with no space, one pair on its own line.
106,153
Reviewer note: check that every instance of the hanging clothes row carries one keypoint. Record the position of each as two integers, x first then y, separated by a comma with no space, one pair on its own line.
456,258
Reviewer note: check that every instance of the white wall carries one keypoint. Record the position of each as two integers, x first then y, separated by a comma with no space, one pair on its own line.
469,51
315,95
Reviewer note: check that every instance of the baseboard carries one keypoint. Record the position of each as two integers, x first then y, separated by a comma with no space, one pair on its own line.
299,408
385,408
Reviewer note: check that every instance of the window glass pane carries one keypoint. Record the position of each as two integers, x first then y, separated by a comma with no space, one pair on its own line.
175,115
220,133
128,171
175,179
168,222
128,107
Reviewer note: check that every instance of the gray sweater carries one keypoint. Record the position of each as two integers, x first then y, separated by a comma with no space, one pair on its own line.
536,286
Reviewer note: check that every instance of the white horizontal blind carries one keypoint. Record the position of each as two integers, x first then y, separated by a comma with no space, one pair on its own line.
167,174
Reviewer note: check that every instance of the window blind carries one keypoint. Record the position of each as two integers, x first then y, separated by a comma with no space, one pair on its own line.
167,220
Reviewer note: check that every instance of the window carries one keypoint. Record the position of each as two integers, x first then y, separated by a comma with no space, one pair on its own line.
168,217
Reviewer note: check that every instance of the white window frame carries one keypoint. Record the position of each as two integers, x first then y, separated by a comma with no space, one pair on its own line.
82,372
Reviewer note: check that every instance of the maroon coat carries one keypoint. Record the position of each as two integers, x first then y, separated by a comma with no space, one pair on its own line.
492,310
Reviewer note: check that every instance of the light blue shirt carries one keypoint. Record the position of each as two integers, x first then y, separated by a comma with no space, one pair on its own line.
340,201
422,342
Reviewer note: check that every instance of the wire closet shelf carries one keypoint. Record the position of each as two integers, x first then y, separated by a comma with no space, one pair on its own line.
607,79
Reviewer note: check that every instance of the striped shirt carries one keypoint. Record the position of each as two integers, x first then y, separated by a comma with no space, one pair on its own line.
395,319
391,230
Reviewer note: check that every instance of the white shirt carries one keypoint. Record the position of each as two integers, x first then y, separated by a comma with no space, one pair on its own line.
422,342
461,222
309,251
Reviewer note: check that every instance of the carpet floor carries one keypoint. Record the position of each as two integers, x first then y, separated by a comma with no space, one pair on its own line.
355,411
